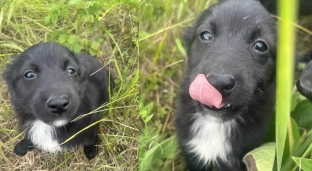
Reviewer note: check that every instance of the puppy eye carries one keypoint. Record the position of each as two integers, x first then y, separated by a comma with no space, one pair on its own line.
260,46
30,74
205,36
70,71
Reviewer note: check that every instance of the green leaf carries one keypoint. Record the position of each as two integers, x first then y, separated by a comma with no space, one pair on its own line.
77,48
72,39
166,149
292,139
95,45
294,100
301,149
86,17
92,52
261,158
295,131
62,38
47,19
303,163
146,111
303,114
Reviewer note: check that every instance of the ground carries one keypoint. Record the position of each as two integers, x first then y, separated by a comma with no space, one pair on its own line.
106,30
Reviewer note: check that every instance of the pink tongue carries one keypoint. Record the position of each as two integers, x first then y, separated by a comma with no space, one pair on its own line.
205,93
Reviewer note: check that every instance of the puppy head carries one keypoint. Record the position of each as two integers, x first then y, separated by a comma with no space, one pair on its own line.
304,84
44,82
231,56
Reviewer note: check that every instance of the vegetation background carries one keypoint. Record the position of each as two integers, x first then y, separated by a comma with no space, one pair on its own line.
105,29
162,62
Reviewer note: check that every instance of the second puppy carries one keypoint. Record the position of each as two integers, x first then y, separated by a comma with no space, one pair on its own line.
227,95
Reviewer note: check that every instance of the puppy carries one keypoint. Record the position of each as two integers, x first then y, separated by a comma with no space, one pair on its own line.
49,86
227,94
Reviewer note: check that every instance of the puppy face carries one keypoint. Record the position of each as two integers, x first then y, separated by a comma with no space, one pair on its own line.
46,80
232,47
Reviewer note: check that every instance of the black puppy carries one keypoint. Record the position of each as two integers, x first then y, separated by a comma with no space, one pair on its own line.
49,86
227,95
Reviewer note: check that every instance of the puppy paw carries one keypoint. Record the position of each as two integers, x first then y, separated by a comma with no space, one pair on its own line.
90,151
22,147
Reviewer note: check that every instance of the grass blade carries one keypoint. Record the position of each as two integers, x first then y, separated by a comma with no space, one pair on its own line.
286,51
1,19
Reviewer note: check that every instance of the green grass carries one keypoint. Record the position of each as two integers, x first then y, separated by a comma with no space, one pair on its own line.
105,29
285,64
162,62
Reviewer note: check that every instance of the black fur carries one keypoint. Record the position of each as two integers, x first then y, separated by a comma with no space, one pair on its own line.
40,97
235,26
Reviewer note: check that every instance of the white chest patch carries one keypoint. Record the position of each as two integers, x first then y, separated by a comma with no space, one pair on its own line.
210,139
60,123
41,135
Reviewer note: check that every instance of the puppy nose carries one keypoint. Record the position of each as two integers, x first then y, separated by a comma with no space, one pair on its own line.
222,82
58,105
